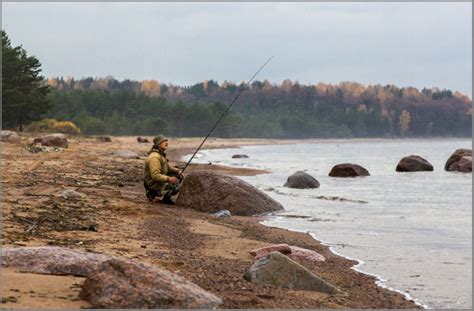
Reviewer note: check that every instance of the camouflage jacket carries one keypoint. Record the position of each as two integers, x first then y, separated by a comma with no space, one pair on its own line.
157,168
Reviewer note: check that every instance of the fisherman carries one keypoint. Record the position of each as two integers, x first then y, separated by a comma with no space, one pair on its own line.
160,179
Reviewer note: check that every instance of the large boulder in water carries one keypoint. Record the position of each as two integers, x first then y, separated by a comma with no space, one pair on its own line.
464,165
120,284
280,271
456,157
52,140
348,170
10,137
413,163
211,192
301,180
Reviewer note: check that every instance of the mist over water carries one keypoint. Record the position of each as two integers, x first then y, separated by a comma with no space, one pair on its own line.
414,230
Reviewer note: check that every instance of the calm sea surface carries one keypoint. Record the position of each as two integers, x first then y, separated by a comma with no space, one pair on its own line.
412,230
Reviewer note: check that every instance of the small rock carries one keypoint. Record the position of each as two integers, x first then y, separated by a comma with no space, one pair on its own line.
239,156
264,251
10,137
52,140
413,163
456,157
36,148
142,139
120,284
70,194
280,271
127,154
301,180
222,214
348,170
104,139
52,260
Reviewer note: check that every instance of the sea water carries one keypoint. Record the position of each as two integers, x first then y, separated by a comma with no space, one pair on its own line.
411,230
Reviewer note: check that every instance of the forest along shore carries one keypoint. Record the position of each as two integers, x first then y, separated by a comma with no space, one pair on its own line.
113,217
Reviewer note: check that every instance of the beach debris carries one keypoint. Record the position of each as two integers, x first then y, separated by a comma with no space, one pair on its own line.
280,271
10,137
142,139
294,252
348,170
127,154
70,194
37,148
52,260
52,140
123,284
301,180
240,156
222,214
264,251
413,163
453,163
104,139
209,192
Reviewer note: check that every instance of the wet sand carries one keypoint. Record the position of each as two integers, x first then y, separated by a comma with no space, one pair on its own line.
115,218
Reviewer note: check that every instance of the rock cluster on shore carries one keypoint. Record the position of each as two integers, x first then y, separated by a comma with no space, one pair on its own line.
210,192
113,282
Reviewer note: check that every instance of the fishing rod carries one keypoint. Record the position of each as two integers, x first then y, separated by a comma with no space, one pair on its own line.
225,113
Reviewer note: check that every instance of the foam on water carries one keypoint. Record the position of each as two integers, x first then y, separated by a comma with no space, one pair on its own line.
413,231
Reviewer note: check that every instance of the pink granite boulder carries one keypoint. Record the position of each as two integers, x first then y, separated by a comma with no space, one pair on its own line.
264,251
298,253
52,260
52,140
123,284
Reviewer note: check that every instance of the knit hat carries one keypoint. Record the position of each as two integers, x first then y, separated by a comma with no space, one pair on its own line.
159,139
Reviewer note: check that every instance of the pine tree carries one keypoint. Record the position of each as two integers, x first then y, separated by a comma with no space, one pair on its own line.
23,89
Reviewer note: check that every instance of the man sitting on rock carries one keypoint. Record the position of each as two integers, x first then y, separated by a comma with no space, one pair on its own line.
159,178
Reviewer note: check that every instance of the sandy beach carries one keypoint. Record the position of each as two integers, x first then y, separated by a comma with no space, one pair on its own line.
114,217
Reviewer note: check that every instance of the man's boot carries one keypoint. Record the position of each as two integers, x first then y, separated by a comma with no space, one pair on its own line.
167,200
150,196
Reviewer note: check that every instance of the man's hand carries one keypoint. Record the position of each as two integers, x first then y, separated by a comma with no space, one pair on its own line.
173,180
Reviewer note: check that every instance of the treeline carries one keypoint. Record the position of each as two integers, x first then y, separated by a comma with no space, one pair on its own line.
286,110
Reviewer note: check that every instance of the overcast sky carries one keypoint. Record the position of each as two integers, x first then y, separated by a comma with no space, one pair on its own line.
406,44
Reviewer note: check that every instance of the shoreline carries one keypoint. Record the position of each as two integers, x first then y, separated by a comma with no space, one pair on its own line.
193,245
380,281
